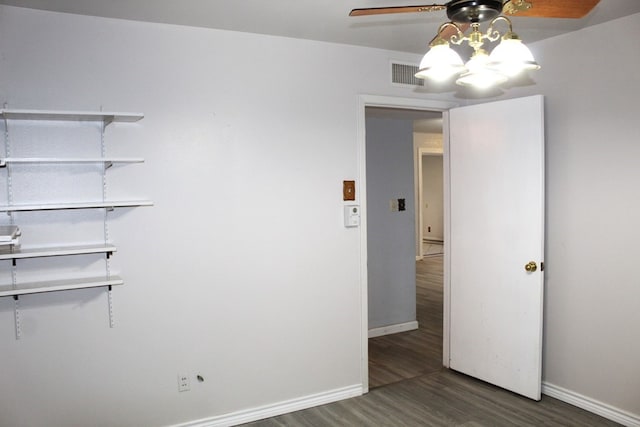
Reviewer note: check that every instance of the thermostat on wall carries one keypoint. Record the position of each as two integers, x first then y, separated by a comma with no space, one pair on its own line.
352,215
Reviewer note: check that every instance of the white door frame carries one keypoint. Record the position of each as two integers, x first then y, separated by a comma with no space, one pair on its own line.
407,104
422,151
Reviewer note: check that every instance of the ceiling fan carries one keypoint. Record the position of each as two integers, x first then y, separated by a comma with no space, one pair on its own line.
466,11
509,59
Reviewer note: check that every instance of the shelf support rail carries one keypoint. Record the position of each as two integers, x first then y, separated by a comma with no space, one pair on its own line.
14,268
16,316
7,153
106,165
16,305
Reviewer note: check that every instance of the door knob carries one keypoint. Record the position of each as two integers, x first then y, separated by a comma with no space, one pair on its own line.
531,266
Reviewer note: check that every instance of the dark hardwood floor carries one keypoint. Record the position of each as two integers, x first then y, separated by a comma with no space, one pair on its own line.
409,354
442,398
410,388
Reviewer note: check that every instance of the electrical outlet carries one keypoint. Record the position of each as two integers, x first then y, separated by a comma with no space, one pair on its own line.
393,205
183,382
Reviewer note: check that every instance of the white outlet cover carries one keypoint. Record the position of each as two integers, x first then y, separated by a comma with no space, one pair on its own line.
183,383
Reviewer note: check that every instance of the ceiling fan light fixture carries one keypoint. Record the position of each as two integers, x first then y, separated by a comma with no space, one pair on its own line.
440,63
508,59
511,57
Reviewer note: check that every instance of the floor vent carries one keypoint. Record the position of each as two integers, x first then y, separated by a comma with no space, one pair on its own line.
404,74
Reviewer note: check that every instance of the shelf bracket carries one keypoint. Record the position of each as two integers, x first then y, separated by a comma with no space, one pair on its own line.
16,315
108,120
107,164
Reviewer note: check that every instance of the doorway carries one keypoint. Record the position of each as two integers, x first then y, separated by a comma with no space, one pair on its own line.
520,212
409,346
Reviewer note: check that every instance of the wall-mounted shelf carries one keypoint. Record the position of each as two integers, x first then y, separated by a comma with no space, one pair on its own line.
57,285
83,116
109,204
10,165
7,253
53,160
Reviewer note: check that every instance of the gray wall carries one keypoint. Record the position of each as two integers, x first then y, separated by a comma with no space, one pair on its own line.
432,199
432,142
390,235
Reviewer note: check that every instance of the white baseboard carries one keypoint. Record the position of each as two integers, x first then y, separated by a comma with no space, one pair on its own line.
393,329
276,409
419,257
607,411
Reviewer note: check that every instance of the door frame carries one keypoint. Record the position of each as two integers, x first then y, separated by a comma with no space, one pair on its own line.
406,104
423,152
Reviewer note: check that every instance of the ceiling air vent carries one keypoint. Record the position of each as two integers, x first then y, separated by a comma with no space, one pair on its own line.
404,74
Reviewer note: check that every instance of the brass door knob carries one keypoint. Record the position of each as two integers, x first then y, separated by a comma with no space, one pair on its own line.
531,266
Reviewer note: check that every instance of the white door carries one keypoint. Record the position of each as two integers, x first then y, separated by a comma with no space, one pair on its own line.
496,159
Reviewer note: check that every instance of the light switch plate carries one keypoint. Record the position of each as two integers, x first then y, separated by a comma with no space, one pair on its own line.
348,190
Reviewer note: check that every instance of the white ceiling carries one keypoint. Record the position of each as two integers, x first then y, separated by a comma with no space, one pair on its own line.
317,19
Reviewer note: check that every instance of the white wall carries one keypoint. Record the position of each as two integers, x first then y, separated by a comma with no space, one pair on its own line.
589,79
242,272
245,290
390,234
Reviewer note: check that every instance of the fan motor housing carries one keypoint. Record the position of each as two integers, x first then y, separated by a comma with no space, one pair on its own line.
470,11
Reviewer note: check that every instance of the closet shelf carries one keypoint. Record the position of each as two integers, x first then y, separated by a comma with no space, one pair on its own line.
27,160
8,254
109,204
58,285
83,116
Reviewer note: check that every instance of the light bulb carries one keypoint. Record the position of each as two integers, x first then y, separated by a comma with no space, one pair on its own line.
440,63
511,57
480,75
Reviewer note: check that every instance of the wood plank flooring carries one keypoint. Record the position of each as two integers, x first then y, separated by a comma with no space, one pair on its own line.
442,398
409,387
409,354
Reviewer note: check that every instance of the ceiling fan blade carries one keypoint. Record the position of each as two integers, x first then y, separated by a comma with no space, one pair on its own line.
396,9
573,9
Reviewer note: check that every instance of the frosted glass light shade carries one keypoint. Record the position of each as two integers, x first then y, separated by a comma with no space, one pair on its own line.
480,75
440,63
511,57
